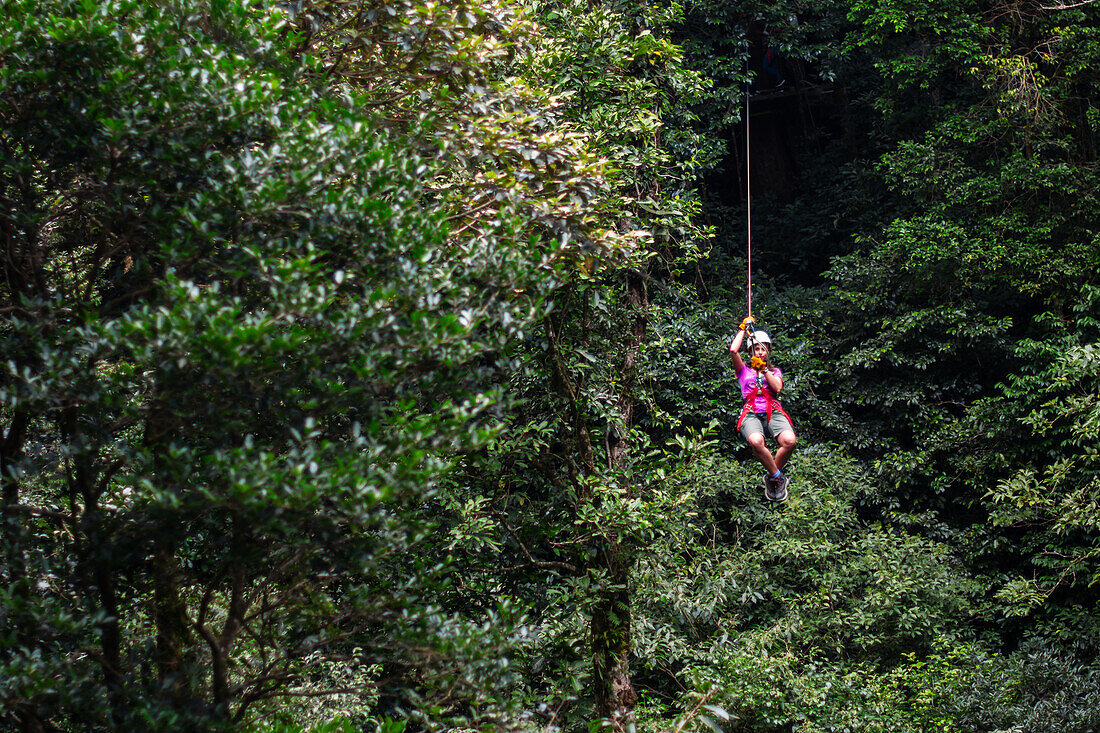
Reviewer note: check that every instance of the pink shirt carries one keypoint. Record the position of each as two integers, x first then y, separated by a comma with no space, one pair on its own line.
747,377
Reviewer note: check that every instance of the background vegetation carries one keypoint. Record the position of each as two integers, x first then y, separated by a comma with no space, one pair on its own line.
364,365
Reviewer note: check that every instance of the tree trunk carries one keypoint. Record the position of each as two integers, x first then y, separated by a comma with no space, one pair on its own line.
172,624
95,556
11,451
614,692
175,645
611,641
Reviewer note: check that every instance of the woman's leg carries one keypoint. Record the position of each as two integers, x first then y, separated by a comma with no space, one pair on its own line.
756,442
787,441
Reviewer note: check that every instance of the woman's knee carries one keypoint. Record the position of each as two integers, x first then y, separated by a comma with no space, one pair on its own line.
756,440
787,439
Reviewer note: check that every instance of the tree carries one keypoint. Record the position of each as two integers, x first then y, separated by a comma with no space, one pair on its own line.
239,354
1045,501
557,512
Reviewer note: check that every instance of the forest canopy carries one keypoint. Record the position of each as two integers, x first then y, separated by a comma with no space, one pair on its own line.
365,366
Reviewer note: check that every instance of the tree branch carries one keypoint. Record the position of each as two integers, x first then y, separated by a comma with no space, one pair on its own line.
1066,6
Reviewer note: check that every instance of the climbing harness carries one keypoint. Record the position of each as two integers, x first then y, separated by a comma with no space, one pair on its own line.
762,390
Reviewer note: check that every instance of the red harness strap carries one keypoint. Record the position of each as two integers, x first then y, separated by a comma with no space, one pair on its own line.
773,404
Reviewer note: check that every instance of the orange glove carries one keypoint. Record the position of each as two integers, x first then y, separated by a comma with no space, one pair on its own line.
758,363
747,321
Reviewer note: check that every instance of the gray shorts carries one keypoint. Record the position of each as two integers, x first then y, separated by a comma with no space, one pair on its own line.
754,423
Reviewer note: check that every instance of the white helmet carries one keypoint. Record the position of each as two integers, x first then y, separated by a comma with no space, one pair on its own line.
759,336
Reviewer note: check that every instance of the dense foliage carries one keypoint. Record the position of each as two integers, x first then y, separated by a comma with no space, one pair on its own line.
365,365
238,351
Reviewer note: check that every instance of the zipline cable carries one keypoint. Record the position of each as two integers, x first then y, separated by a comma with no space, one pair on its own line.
748,216
748,191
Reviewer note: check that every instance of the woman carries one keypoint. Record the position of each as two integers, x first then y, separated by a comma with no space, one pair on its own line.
761,384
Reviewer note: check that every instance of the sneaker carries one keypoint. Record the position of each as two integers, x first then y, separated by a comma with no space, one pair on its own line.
781,487
776,489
